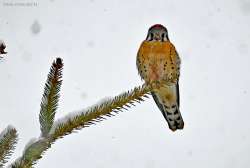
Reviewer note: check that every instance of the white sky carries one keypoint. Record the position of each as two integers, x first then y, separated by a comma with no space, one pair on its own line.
98,41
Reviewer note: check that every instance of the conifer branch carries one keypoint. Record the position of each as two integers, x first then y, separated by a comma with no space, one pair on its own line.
50,97
52,131
8,139
32,153
93,115
100,112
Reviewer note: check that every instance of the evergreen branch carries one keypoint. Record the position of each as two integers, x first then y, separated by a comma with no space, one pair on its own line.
86,118
50,97
52,131
32,153
19,164
8,139
100,112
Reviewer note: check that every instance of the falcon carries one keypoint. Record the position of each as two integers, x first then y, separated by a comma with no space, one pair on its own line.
158,62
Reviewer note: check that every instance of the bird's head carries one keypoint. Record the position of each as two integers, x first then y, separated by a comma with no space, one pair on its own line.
157,32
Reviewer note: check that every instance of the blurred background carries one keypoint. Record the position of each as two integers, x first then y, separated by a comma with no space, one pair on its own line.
98,41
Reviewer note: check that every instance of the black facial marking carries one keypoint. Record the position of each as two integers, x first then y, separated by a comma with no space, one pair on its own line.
162,37
151,36
167,37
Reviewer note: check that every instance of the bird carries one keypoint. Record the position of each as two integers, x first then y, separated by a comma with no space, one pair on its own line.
158,61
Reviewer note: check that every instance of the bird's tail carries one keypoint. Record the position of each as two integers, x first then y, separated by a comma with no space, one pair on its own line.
167,100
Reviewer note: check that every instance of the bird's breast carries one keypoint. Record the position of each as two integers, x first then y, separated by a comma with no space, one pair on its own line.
157,60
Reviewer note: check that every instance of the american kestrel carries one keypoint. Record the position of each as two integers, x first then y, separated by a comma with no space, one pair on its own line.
157,61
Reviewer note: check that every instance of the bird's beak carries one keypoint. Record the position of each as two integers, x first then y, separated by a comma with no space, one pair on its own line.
157,36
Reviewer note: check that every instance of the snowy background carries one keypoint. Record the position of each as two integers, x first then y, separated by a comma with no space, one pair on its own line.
98,41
